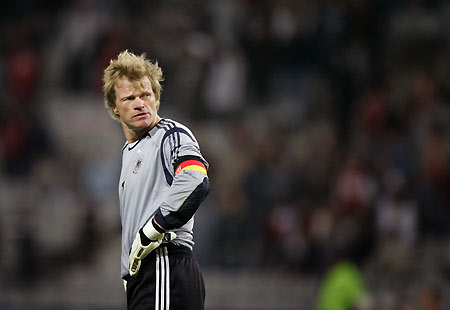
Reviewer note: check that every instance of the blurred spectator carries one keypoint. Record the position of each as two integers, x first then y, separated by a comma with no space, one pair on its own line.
355,187
28,257
23,139
396,223
23,70
225,83
81,26
283,245
89,235
430,299
111,42
435,184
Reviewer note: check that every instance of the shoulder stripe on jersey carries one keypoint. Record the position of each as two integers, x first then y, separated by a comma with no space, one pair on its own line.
174,149
174,130
174,141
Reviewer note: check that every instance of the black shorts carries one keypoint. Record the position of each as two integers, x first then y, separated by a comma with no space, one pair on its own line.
169,279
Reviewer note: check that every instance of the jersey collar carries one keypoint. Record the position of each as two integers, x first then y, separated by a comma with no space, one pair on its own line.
150,133
154,129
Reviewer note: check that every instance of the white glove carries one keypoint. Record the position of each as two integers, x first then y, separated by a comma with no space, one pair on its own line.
147,239
125,285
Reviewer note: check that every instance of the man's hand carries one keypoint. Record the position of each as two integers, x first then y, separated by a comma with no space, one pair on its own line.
147,239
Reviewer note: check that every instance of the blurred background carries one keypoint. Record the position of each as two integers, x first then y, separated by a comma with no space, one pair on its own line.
326,125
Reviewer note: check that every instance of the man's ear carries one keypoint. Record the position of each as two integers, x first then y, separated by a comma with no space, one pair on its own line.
115,110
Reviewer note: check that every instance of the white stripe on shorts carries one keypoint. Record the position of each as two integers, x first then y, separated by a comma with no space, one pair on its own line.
162,293
166,258
157,281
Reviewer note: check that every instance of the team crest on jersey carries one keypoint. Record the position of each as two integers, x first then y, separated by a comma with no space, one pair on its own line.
137,166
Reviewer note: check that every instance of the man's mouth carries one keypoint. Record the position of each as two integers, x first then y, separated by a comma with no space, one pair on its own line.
141,114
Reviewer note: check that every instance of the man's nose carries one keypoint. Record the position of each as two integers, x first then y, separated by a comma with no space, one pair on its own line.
138,103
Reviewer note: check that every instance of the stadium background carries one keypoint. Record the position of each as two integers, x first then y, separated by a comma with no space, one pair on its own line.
326,124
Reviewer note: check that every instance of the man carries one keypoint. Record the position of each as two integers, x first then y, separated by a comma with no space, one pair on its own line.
162,183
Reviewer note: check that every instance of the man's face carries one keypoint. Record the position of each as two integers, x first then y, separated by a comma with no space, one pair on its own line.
136,104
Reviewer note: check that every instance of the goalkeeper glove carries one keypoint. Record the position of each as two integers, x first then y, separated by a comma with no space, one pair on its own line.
147,239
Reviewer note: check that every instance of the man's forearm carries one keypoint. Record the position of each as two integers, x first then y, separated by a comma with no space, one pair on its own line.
182,205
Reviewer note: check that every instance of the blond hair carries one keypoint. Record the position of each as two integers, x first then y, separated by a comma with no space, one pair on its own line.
134,68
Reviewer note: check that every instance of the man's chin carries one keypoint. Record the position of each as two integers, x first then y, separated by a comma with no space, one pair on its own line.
139,125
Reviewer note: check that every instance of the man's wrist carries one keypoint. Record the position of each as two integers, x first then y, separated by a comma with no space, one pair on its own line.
144,239
152,231
158,227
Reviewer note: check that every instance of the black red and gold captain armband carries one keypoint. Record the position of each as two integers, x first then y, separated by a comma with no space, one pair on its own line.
191,164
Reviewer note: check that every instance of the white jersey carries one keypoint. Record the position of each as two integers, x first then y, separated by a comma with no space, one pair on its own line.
163,176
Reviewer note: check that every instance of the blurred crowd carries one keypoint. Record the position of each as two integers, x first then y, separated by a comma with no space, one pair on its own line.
326,125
